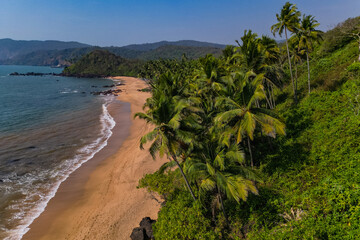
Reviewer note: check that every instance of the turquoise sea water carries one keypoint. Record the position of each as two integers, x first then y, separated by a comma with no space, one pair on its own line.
49,126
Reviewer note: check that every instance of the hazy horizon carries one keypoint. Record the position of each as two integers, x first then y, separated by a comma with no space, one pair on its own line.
120,23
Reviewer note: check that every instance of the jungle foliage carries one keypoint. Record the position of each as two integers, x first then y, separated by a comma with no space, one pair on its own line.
235,171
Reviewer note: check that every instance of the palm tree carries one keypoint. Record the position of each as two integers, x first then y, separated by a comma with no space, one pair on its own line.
259,55
243,114
220,170
296,55
307,35
273,72
271,49
165,111
288,20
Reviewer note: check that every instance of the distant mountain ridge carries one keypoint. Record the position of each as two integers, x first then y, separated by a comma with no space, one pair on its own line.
57,53
10,48
185,43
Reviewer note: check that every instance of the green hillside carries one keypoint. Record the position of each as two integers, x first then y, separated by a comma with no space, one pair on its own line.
184,43
176,52
102,63
220,121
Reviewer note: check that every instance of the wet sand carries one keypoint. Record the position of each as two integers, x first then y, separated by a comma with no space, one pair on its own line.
100,199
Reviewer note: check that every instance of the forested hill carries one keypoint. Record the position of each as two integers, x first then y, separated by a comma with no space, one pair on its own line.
102,63
147,51
260,146
11,48
184,43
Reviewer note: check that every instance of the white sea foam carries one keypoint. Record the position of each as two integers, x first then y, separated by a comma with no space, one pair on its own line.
61,173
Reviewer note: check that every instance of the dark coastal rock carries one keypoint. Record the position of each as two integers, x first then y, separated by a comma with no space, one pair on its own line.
15,160
145,231
31,147
107,92
138,234
33,74
108,86
1,180
146,223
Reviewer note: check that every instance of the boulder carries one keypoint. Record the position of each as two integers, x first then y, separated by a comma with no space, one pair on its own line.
138,234
144,231
146,223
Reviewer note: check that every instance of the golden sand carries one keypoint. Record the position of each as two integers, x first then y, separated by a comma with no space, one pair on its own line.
104,202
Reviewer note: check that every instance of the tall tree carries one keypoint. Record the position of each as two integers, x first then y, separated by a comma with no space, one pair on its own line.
221,170
307,36
296,55
288,20
241,113
165,112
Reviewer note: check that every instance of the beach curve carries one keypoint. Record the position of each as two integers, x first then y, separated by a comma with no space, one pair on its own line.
109,205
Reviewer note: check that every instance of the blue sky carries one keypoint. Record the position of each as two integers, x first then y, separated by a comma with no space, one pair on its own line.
120,22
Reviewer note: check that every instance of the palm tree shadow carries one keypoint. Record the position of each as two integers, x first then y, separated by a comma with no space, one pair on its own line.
258,211
287,152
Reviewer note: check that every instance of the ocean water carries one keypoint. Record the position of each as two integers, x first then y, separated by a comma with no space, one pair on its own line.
49,126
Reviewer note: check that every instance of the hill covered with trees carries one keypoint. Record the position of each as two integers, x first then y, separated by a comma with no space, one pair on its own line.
262,142
43,56
102,63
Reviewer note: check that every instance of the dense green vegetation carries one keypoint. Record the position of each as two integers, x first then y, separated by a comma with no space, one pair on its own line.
101,63
235,171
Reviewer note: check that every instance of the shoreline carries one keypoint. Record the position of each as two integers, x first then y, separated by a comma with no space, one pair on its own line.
100,199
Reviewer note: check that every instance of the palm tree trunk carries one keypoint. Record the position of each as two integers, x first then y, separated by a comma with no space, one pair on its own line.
222,206
272,93
288,53
308,67
185,178
296,76
359,47
269,93
251,156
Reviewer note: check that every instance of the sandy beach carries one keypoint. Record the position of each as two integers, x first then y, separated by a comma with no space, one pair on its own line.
100,200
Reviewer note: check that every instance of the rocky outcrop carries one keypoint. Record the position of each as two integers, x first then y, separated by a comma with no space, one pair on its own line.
33,74
114,92
145,231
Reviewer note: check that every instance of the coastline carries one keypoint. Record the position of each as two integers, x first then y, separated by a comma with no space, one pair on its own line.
100,199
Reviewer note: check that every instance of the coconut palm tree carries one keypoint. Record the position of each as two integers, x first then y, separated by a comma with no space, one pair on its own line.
220,170
243,114
296,55
271,50
165,111
288,20
307,35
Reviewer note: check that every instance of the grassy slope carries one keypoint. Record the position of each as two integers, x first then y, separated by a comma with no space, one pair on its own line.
312,176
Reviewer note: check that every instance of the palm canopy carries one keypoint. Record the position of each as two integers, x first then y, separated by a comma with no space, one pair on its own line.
217,168
251,55
167,136
270,48
287,19
297,55
307,33
243,115
167,112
